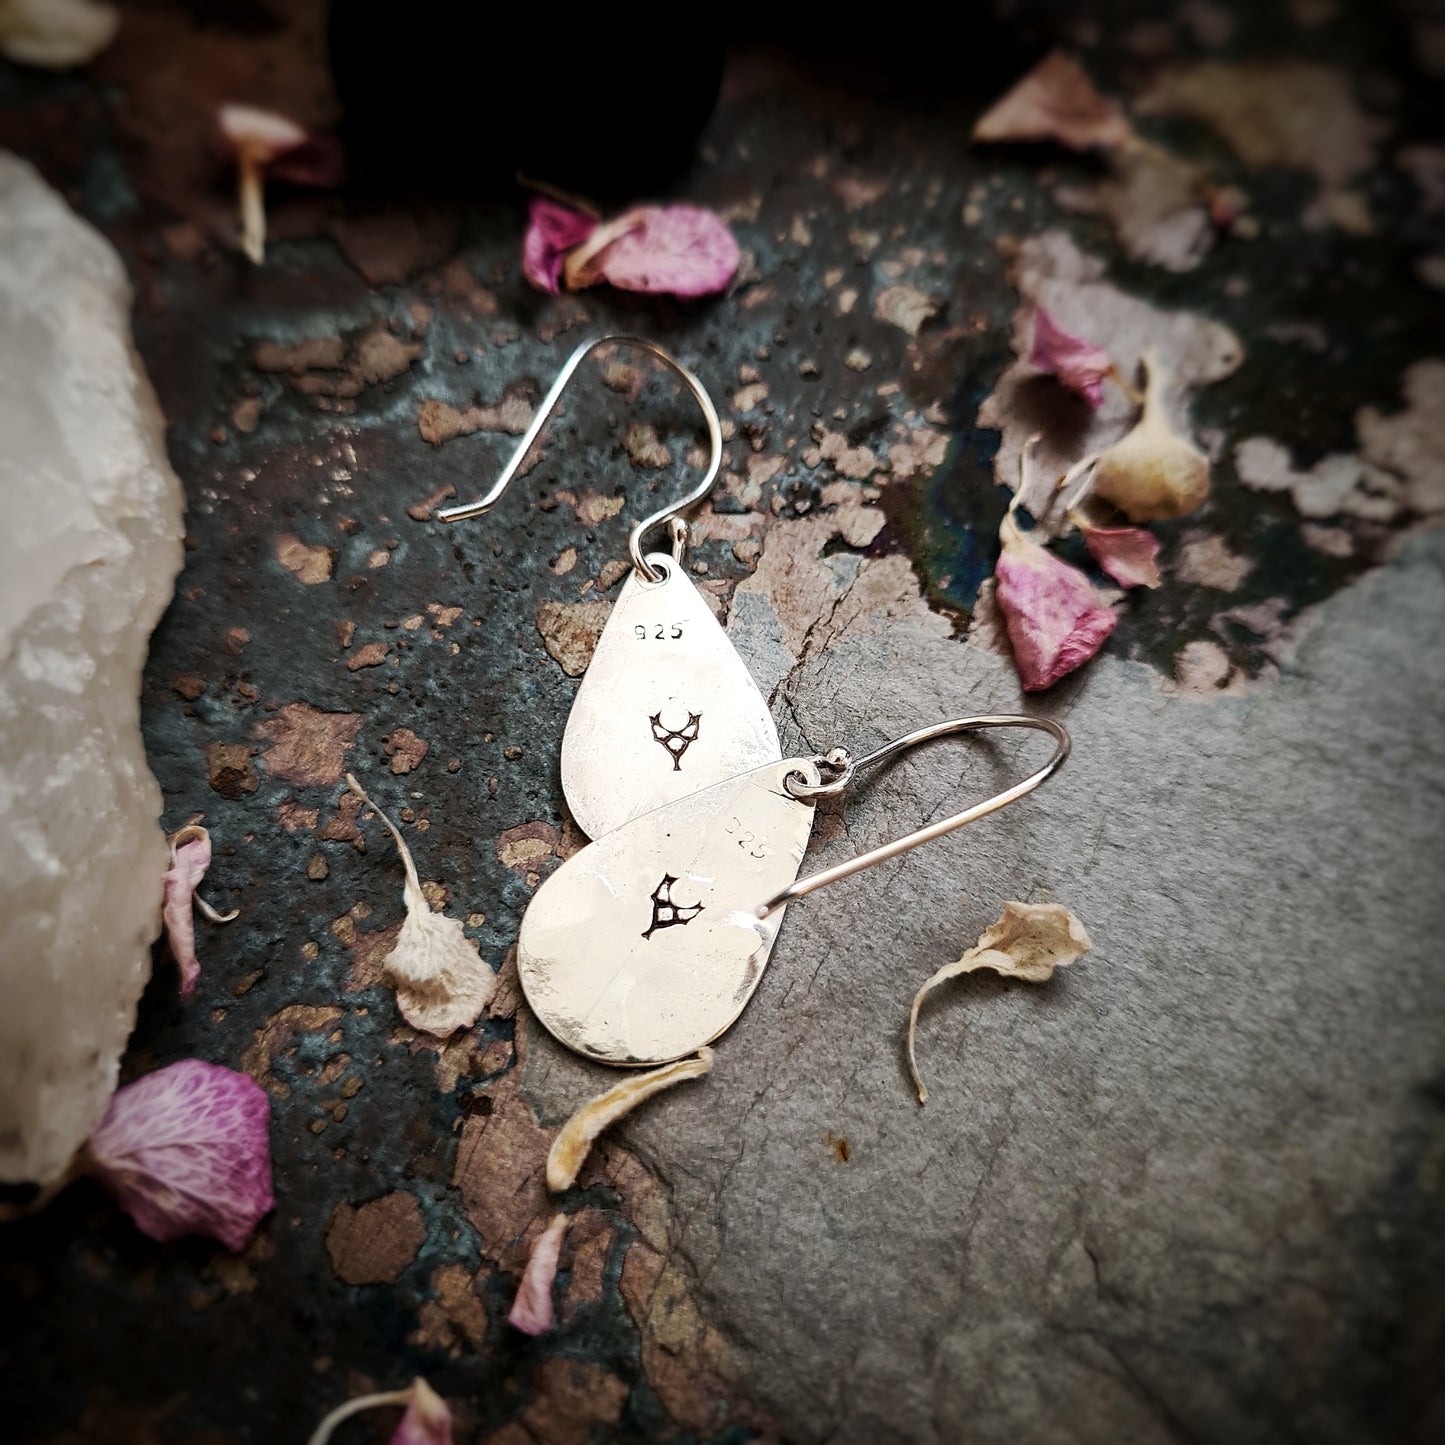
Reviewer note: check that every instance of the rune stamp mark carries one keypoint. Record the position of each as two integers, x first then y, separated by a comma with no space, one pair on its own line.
676,740
666,913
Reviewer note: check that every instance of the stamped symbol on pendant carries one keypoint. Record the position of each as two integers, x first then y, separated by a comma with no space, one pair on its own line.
666,913
676,740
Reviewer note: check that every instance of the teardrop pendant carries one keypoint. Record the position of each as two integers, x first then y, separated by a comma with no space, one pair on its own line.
645,945
666,707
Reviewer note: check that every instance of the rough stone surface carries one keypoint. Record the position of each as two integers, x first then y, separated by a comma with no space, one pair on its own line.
93,524
1197,1124
1188,1102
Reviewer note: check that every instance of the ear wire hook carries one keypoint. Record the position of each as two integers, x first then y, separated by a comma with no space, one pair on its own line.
838,761
549,402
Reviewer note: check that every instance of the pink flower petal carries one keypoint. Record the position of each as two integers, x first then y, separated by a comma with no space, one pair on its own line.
677,250
1079,365
185,1151
1128,554
552,231
188,866
1055,618
532,1309
427,1420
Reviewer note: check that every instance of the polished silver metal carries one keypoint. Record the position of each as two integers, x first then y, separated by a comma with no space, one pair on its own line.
549,402
643,946
844,768
666,706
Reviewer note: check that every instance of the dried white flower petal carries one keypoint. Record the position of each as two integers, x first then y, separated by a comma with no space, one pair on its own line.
1029,941
442,981
570,1147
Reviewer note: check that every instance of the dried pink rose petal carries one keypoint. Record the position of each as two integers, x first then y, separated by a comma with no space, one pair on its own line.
681,251
1079,365
532,1309
1130,555
1055,618
185,1151
427,1420
552,231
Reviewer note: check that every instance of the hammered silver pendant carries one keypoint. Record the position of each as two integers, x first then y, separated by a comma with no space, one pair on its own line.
645,945
666,707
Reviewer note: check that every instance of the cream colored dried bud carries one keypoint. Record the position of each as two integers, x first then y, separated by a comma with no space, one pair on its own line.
1152,473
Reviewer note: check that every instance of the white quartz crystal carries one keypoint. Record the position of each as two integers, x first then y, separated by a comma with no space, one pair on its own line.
92,544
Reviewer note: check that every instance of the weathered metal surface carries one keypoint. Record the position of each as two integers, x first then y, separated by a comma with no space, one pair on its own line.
324,623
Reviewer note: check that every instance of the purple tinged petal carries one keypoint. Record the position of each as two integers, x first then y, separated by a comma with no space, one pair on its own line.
1078,364
185,1150
552,231
1056,621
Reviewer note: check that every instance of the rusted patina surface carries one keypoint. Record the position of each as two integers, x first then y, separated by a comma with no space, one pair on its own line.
383,361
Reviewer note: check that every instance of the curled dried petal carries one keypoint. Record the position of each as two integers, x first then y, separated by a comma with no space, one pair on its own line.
55,34
1056,620
1152,474
442,981
570,1147
552,231
1029,941
683,251
1055,101
190,857
185,1150
1079,365
260,138
1130,555
532,1309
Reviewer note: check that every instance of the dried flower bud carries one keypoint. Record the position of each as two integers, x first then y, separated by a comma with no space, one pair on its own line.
427,1420
442,981
261,140
1152,473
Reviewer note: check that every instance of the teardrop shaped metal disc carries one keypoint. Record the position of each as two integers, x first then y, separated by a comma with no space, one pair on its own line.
667,707
644,945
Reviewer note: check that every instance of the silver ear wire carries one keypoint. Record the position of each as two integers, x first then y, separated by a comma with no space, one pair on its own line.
549,402
844,768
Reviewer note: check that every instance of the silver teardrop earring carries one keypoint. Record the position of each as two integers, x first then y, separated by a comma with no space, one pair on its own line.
666,706
648,943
